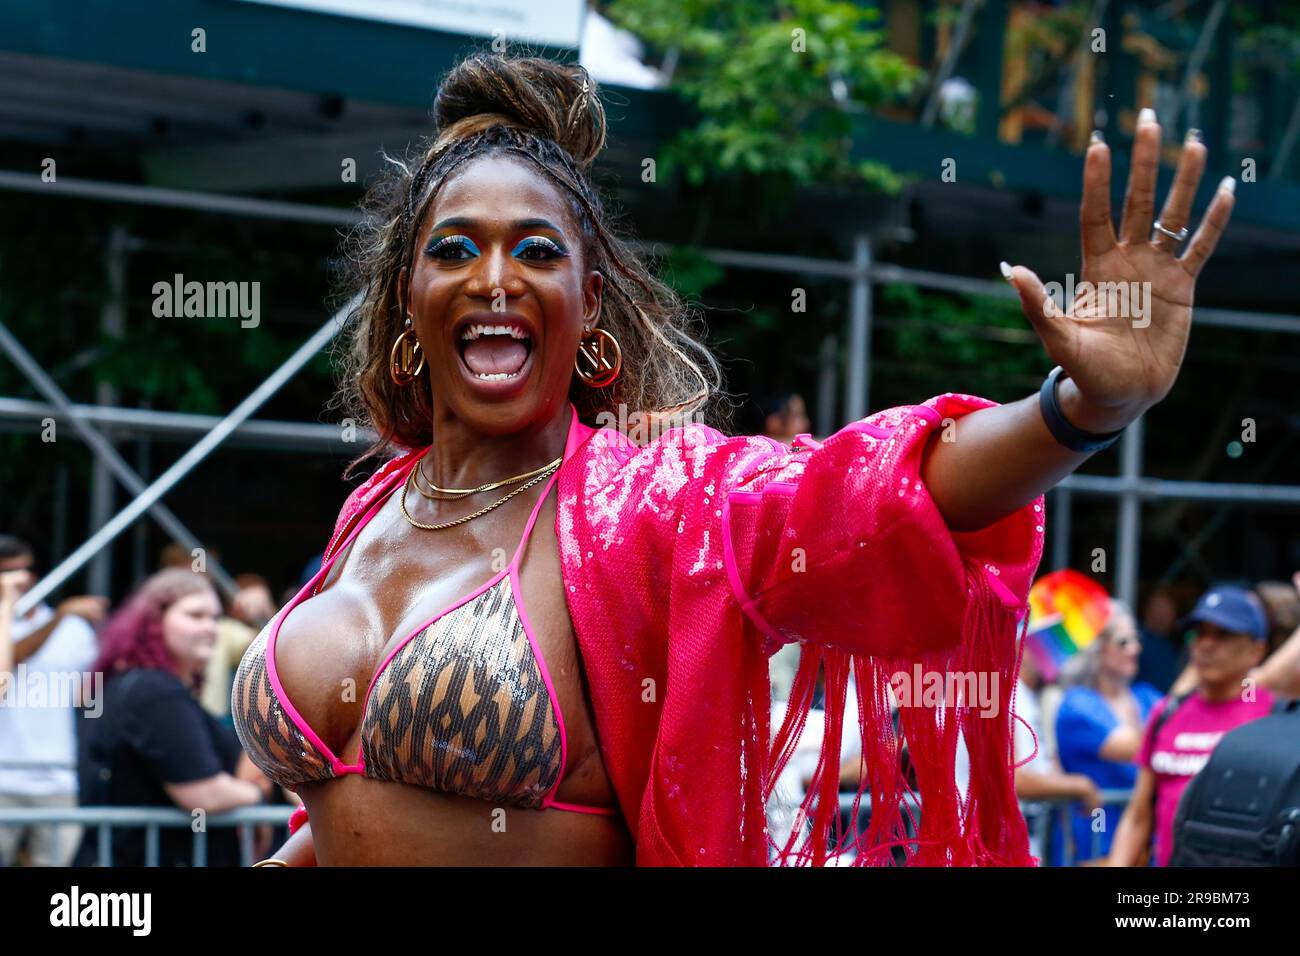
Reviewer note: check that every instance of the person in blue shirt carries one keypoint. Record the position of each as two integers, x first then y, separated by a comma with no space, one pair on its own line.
1099,722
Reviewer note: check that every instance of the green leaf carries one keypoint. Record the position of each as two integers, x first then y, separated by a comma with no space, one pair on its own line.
765,108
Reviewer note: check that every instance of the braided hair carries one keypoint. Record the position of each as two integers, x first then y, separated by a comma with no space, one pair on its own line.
550,115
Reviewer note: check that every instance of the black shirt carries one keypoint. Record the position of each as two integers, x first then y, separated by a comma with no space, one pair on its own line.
151,730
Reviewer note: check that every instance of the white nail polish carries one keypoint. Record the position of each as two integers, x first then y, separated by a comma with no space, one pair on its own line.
1006,270
1228,183
1147,115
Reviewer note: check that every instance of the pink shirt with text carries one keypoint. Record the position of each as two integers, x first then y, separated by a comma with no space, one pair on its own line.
1183,746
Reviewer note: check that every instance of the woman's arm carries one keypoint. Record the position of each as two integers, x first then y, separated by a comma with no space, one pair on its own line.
1134,832
1121,744
248,771
298,850
1120,343
997,460
1032,785
92,608
1186,682
168,731
214,794
1281,672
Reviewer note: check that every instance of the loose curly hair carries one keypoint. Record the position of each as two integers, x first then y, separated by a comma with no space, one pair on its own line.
548,114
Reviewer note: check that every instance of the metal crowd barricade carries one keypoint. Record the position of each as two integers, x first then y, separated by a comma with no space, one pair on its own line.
1060,811
152,819
1043,813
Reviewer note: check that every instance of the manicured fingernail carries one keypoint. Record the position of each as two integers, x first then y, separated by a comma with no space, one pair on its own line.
1148,115
1006,270
1096,137
1228,183
1193,136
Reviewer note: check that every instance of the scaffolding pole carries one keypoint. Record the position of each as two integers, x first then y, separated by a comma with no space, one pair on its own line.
179,199
827,373
180,426
832,268
1153,489
185,464
1128,539
1060,501
106,454
1131,488
857,377
112,325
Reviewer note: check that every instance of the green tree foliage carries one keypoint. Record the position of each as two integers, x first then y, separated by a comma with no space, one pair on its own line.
53,290
776,85
778,90
935,341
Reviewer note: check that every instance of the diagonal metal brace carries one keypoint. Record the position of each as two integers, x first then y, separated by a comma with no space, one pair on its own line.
182,466
104,449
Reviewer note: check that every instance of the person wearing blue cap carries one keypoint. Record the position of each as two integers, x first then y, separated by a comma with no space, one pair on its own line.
1228,643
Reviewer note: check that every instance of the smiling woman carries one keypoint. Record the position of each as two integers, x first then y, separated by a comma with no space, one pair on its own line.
508,170
149,742
563,632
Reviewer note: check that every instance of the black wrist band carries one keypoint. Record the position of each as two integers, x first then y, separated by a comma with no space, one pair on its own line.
1075,439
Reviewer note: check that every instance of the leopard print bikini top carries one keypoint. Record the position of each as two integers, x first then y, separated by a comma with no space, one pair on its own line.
464,704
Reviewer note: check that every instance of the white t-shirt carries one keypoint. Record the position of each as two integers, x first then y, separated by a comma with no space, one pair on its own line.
1043,761
1027,708
43,728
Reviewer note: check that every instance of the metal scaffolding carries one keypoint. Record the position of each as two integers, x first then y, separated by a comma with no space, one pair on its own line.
183,465
1129,489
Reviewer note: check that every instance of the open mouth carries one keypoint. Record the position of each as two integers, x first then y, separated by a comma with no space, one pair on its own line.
495,351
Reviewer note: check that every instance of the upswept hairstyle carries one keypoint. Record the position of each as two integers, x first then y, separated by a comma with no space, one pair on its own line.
550,115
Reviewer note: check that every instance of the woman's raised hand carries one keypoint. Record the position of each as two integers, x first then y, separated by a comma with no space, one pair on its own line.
1122,338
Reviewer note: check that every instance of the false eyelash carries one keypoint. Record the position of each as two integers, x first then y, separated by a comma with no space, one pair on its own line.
544,241
449,241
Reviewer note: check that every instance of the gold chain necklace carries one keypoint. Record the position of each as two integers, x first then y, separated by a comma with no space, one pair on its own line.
437,493
406,486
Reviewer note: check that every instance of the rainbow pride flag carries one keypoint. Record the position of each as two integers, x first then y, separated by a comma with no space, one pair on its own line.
1067,610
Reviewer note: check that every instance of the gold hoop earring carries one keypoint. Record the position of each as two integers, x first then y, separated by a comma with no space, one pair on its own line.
592,362
403,356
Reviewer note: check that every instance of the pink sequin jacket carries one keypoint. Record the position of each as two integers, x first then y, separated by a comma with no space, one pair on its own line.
689,559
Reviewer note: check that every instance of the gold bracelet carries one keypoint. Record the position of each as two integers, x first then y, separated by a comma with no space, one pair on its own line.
270,861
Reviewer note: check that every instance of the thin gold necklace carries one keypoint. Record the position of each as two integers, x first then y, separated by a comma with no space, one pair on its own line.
437,493
406,486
